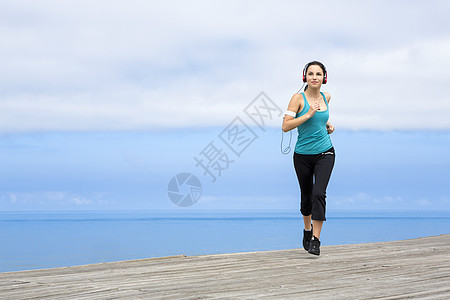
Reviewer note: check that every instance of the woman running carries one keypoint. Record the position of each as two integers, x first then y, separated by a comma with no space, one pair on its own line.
314,153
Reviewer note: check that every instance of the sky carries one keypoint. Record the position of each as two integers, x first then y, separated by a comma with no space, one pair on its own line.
102,103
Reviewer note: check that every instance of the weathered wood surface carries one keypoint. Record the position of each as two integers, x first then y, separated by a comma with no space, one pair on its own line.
418,268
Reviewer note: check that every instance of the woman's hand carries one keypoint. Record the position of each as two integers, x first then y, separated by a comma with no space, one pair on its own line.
330,128
313,108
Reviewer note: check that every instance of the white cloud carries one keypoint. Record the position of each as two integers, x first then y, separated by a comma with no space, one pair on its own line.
244,202
365,200
83,65
424,202
12,197
80,201
48,198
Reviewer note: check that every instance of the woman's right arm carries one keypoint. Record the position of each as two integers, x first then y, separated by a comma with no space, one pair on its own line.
290,122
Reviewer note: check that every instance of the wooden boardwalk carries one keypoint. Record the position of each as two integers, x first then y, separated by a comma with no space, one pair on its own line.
418,268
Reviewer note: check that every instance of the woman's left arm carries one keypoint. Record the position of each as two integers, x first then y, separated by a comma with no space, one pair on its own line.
330,128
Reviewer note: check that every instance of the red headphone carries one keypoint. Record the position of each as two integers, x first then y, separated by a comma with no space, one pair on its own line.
324,81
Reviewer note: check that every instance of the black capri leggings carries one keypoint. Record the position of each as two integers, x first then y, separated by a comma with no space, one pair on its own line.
313,174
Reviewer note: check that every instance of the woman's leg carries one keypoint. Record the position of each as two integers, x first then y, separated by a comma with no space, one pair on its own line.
317,228
307,222
322,173
304,168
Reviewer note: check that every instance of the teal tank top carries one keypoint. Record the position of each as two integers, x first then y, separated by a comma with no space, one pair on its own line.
313,137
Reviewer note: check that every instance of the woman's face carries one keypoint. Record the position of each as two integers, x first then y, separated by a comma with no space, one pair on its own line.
314,76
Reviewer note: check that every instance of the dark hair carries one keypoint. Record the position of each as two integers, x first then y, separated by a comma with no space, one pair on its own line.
314,63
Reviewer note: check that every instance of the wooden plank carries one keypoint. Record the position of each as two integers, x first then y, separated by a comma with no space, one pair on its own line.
418,268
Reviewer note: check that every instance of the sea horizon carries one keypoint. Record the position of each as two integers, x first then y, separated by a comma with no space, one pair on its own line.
48,239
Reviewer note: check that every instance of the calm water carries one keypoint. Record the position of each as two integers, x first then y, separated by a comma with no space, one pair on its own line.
36,240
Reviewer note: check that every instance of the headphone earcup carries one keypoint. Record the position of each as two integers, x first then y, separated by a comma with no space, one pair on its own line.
325,79
304,72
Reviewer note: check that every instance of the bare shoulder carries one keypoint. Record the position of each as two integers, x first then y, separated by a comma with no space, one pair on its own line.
296,103
327,96
296,97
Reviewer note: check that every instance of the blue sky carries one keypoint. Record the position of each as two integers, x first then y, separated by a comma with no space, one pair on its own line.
102,103
374,170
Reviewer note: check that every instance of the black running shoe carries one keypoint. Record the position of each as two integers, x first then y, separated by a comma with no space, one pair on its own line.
314,247
307,236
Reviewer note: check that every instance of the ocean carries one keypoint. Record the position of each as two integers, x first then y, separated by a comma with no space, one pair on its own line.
38,240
